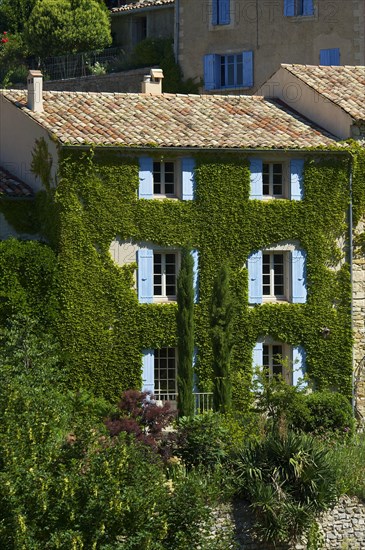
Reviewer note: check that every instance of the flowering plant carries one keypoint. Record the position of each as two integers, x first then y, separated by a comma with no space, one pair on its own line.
4,38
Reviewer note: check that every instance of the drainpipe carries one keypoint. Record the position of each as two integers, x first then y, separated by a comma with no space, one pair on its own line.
177,30
353,398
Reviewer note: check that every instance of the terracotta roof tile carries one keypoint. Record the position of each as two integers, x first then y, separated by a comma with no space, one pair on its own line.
139,4
343,85
10,186
170,120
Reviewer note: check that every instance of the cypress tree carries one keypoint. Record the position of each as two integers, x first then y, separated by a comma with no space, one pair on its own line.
221,320
185,327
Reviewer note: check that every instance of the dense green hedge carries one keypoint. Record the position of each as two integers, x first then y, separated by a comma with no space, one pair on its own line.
102,326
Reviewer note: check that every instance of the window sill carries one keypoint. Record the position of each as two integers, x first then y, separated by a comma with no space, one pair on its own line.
221,27
229,89
275,300
164,197
272,198
164,299
301,18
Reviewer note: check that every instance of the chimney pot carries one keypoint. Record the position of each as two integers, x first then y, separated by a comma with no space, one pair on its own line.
35,91
152,83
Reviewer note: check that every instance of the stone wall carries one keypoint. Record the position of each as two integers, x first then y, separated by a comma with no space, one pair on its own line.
358,300
342,528
125,81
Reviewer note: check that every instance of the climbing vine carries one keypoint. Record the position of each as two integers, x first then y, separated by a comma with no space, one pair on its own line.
103,328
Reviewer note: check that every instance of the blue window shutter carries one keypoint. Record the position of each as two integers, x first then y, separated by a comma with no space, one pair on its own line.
299,366
224,16
145,275
188,182
257,363
148,370
195,255
329,57
215,12
299,288
145,178
308,8
289,8
254,266
296,179
247,69
256,178
211,71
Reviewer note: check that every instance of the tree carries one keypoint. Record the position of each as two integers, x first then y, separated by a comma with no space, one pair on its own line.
58,27
185,327
14,14
221,333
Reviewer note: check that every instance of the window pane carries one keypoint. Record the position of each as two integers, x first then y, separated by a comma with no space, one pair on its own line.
277,190
230,70
223,70
157,172
157,188
266,179
169,189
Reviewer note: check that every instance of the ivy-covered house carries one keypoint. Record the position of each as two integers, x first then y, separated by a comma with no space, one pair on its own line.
129,180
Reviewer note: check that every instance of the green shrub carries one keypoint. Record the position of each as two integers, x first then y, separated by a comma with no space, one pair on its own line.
202,440
279,402
291,407
288,480
327,412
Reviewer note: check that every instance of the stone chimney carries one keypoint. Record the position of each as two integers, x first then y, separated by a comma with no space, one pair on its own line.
152,83
35,91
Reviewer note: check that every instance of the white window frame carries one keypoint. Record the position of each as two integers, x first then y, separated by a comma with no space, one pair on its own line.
284,179
177,179
286,354
164,297
272,297
169,382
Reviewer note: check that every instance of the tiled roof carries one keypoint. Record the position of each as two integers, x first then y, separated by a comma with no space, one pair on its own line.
344,85
10,186
139,4
171,120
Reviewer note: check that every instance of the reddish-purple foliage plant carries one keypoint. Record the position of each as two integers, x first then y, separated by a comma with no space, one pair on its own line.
141,416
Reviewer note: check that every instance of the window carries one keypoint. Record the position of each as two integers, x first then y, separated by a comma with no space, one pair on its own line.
272,360
277,275
329,57
165,374
159,373
298,7
221,12
166,178
274,270
272,179
280,359
164,275
228,70
157,274
276,179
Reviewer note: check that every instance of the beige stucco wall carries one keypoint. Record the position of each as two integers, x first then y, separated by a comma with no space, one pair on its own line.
298,95
123,252
261,26
18,134
160,24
